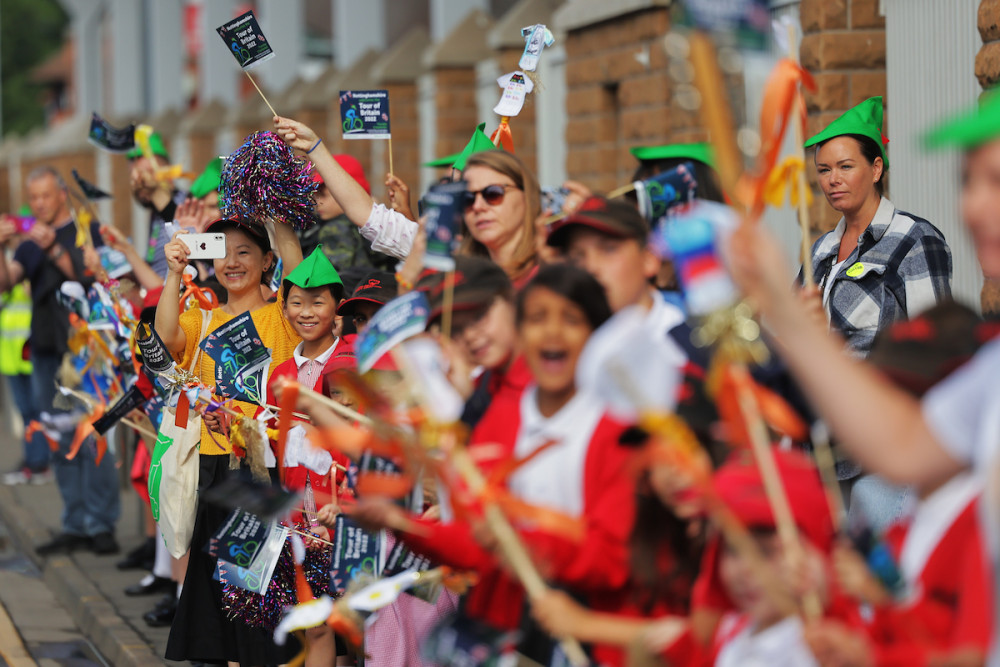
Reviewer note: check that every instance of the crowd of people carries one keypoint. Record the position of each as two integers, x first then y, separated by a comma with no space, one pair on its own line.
713,528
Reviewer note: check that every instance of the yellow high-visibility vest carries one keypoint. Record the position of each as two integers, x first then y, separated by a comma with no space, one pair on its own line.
15,329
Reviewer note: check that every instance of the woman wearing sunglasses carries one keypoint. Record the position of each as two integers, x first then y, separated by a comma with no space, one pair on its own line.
503,204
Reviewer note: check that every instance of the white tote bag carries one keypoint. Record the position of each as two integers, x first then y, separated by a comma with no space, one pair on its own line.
173,472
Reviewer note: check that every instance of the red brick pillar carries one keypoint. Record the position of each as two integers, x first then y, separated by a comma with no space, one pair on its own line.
988,73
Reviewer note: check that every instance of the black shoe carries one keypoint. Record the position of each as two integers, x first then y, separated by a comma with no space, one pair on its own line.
104,544
169,600
140,557
151,584
162,615
63,543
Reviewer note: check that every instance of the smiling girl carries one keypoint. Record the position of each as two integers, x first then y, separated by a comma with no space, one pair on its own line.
576,469
201,630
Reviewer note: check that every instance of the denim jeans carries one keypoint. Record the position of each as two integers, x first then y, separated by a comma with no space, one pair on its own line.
89,492
36,450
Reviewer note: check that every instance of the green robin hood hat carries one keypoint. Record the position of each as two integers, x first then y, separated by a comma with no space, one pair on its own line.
864,119
478,142
702,152
445,161
314,271
977,126
208,180
155,145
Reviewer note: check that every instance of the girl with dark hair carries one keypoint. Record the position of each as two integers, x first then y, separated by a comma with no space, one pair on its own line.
201,630
576,469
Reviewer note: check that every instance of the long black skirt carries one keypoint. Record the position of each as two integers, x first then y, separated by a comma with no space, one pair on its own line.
201,631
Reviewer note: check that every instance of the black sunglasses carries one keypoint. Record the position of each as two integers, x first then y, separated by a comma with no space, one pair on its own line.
492,195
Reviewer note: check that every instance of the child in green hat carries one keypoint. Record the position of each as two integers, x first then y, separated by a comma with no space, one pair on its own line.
311,294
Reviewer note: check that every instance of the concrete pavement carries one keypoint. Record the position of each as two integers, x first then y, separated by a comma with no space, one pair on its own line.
89,587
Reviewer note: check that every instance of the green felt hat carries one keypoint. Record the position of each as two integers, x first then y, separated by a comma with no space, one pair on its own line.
209,180
975,127
864,119
445,161
702,152
315,271
155,145
478,142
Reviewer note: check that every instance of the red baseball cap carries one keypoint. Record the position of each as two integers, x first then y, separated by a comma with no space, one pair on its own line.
739,485
351,165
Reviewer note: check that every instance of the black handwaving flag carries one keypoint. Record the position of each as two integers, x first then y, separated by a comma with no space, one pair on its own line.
129,401
90,191
111,138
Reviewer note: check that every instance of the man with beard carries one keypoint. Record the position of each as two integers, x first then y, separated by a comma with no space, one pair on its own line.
48,258
158,196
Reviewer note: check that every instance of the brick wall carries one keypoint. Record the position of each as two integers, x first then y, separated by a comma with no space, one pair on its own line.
455,101
615,99
988,73
843,46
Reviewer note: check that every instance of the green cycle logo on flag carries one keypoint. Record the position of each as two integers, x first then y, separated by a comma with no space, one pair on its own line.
245,40
364,114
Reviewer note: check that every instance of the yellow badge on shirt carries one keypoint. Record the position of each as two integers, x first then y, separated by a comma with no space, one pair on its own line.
855,270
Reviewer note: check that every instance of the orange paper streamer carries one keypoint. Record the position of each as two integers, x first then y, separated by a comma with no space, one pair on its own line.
207,300
777,414
85,429
36,427
302,590
380,484
781,94
181,412
502,136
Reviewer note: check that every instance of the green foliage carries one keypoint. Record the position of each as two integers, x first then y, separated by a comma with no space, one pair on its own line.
30,32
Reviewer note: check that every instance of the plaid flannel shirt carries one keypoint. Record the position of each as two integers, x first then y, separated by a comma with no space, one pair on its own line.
900,267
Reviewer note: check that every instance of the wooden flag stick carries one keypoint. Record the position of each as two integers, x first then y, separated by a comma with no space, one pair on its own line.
718,117
391,170
449,300
800,182
262,96
788,532
823,455
341,410
513,548
618,192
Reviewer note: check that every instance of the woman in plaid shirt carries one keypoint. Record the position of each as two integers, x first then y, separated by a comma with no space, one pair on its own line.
879,264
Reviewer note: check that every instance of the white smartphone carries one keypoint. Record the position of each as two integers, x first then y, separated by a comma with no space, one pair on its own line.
205,246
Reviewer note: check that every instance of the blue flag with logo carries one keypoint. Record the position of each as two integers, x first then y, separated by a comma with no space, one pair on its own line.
241,360
396,321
